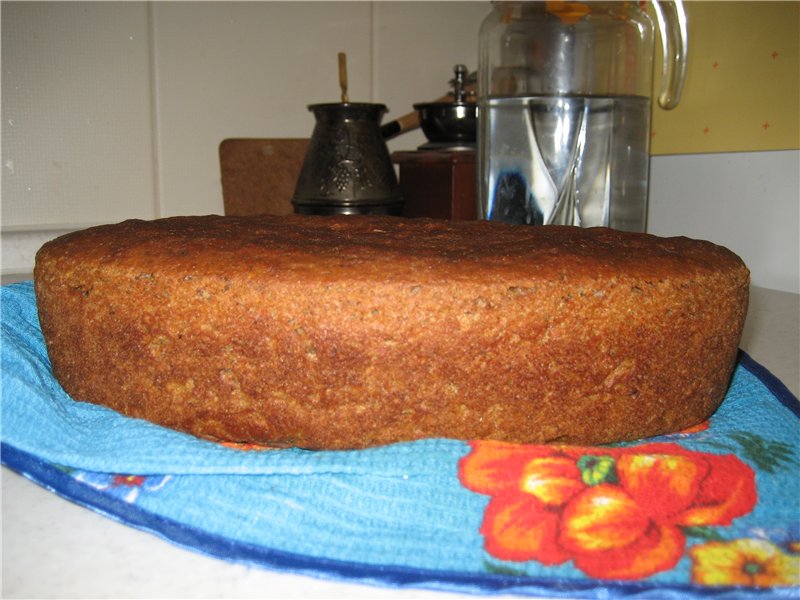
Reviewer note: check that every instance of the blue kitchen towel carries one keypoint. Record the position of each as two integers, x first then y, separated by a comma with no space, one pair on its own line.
712,511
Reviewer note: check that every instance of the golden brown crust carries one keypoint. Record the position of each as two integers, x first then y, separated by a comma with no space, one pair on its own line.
346,332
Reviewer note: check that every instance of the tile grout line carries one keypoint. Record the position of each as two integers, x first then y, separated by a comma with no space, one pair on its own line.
158,207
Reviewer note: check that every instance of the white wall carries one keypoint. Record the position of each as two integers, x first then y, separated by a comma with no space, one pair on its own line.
76,113
116,110
747,201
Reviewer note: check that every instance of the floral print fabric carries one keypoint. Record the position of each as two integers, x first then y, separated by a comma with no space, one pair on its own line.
621,513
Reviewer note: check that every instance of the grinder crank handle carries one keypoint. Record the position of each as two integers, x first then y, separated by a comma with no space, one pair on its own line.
408,122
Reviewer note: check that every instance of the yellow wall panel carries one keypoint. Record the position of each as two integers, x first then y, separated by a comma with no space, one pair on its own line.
742,90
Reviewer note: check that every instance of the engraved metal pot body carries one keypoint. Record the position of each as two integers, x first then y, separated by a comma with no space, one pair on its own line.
347,169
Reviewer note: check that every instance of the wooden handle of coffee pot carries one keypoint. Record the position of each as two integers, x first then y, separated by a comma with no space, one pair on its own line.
343,76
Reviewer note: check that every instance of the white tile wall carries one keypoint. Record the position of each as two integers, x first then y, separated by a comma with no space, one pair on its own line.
245,70
76,113
113,110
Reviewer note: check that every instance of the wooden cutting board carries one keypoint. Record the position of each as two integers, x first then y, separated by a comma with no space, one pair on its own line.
259,174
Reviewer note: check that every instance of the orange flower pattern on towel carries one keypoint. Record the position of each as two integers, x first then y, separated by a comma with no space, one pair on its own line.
616,513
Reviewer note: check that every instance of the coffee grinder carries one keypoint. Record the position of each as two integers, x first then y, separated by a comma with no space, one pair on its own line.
439,178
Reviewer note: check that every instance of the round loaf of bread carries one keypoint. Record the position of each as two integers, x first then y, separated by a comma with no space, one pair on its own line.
348,332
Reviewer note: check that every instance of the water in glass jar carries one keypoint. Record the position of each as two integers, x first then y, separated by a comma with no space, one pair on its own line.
569,160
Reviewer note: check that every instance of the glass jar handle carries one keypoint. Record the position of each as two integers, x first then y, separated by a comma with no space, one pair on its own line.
671,18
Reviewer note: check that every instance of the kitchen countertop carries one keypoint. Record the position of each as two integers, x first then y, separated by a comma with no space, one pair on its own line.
52,548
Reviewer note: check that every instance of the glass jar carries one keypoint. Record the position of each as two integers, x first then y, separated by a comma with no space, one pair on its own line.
564,102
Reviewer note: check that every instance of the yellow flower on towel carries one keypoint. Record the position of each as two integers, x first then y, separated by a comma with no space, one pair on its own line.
747,561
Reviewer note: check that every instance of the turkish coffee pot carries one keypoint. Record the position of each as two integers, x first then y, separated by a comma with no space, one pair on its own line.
347,169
